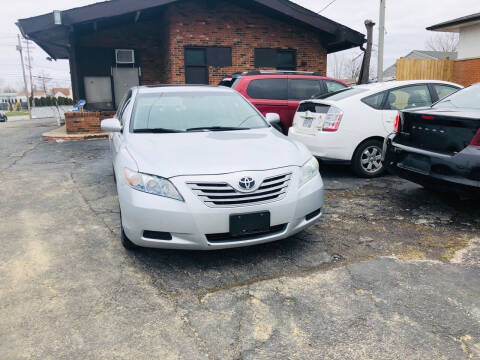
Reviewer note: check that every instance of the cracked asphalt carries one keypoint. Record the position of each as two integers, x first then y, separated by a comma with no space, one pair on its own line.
392,271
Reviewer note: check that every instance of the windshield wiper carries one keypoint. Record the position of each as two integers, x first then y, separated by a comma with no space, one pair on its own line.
157,131
216,128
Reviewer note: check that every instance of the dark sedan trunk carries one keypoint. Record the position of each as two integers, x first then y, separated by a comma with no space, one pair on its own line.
438,130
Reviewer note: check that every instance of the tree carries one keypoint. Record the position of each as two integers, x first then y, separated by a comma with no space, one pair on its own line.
43,80
445,42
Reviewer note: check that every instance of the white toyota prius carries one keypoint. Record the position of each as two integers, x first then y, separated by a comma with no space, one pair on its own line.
350,125
199,167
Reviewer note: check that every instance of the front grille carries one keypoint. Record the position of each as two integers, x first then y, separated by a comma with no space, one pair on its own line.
226,237
221,194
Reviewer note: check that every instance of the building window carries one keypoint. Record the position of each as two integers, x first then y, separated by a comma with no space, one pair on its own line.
277,58
198,59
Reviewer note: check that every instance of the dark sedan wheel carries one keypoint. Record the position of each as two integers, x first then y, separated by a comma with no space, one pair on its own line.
367,161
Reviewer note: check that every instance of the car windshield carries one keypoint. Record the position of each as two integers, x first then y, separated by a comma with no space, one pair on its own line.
341,94
468,98
194,111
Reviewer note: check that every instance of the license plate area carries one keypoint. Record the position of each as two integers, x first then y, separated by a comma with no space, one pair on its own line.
249,224
416,162
307,123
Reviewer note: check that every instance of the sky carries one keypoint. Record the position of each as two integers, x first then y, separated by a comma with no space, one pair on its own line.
406,21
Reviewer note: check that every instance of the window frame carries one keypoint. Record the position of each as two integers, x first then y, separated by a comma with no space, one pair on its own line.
320,82
382,103
430,91
274,61
266,79
325,81
434,90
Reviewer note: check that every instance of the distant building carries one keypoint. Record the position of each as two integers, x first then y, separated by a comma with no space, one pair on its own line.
61,92
467,66
22,96
390,73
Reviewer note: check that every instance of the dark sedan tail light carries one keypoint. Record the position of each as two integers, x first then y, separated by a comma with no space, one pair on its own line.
476,139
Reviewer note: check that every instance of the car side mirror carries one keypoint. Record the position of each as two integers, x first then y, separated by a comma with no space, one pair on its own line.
274,120
111,125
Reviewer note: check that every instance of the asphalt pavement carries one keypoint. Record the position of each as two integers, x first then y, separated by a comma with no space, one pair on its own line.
392,271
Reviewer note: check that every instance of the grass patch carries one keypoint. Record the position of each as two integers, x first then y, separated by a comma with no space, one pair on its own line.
16,113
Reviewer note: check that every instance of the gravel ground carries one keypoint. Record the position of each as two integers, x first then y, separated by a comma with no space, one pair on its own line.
390,272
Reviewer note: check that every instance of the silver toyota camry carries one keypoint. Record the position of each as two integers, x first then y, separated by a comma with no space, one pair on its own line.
199,167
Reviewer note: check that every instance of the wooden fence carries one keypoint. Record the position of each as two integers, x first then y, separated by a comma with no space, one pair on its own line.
422,69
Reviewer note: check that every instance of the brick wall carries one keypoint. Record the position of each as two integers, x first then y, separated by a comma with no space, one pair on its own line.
160,43
466,72
223,23
85,122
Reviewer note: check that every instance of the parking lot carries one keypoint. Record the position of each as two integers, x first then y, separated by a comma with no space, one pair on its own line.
391,271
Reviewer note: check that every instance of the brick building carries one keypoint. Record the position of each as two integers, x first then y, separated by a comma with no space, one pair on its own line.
115,45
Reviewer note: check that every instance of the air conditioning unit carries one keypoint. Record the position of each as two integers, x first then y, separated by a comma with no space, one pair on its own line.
125,56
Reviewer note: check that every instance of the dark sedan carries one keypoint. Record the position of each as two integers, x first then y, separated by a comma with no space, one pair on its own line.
439,146
3,117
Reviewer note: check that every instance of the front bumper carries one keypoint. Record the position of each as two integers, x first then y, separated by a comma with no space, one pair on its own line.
190,222
460,172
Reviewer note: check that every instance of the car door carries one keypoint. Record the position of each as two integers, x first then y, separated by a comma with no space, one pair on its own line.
270,95
301,89
405,97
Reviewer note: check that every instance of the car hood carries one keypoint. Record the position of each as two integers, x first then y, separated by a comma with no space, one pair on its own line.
202,153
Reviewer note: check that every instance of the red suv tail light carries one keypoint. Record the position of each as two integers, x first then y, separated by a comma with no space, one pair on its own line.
397,124
332,119
476,139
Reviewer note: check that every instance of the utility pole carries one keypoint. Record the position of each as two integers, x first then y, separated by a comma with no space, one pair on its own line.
381,40
364,76
30,69
20,50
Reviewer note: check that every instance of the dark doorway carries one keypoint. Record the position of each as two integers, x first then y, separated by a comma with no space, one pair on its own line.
196,69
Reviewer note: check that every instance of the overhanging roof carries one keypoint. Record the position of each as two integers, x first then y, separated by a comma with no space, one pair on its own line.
54,39
455,24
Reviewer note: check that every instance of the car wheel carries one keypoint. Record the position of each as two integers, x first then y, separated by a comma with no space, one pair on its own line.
127,244
367,160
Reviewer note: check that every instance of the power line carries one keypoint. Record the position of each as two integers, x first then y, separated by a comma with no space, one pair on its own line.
325,7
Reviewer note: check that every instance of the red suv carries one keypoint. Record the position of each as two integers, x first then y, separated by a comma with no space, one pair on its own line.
281,91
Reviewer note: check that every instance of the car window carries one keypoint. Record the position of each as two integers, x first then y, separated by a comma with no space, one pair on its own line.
334,86
468,98
444,90
179,111
375,101
408,97
274,89
302,89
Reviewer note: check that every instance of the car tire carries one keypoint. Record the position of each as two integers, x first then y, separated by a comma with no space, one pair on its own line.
127,244
367,160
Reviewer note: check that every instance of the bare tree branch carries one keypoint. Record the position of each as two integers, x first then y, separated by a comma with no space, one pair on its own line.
446,42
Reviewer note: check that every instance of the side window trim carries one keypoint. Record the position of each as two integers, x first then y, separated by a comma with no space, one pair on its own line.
433,93
385,100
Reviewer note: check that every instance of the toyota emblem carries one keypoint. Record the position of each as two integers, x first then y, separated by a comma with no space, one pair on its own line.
246,183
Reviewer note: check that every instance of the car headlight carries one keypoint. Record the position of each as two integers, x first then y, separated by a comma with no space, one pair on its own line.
308,171
155,185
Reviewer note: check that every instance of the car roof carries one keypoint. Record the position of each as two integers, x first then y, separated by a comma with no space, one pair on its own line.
375,88
379,86
157,89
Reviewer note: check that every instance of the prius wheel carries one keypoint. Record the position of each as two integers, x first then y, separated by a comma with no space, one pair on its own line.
367,161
